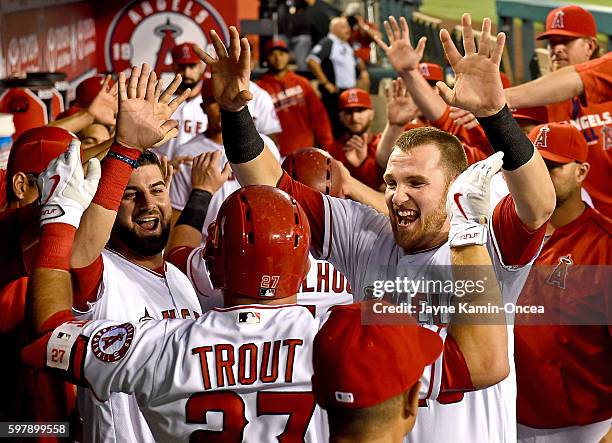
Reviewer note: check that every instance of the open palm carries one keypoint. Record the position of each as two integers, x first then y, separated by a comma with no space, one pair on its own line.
401,108
402,56
478,87
231,70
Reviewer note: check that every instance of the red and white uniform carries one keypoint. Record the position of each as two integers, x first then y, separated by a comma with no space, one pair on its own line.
181,182
359,242
300,111
112,287
262,110
368,172
191,122
596,76
592,115
235,374
563,360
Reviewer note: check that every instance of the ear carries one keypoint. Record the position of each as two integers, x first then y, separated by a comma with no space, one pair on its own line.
411,401
20,185
592,46
582,171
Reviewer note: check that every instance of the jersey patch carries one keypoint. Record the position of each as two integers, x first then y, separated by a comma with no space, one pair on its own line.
112,343
249,317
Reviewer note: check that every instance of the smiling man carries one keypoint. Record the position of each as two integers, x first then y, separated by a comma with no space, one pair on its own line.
117,264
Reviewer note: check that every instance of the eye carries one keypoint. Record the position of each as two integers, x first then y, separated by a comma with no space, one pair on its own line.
417,184
129,196
158,190
390,184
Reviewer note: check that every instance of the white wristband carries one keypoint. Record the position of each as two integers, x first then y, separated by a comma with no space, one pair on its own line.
475,234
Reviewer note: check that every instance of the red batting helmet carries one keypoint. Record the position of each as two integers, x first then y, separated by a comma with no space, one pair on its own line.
315,168
258,246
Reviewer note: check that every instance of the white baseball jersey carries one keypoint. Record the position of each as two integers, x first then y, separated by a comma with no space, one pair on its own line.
359,242
262,110
323,287
181,182
129,292
235,374
191,122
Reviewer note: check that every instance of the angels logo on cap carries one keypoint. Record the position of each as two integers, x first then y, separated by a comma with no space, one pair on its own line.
424,69
112,343
542,139
353,97
557,22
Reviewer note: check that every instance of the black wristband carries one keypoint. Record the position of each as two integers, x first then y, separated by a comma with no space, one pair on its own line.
506,135
241,140
122,158
195,210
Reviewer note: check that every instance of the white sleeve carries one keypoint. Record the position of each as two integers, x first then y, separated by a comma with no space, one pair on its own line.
180,188
273,148
263,113
431,379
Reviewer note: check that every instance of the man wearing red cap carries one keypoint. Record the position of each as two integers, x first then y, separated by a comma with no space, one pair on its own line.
300,110
356,148
571,33
563,359
191,118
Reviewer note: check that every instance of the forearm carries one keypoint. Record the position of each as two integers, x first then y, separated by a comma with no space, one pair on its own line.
431,104
317,71
552,88
368,196
386,144
482,338
525,172
251,160
98,220
74,123
188,228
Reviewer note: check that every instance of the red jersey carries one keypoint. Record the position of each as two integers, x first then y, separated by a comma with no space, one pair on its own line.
360,41
301,113
475,142
2,188
591,113
563,366
369,172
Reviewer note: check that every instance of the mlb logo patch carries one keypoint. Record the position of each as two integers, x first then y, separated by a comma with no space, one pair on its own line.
267,292
63,336
249,317
344,397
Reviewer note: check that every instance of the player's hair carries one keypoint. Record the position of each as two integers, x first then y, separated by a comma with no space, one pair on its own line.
362,422
149,157
452,154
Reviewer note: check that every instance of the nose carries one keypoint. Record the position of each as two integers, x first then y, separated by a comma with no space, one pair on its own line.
147,201
400,196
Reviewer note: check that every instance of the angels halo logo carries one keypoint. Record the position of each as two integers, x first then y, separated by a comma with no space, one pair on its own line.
146,32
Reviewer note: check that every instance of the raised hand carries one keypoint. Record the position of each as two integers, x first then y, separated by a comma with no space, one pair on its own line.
401,109
138,126
103,107
464,118
65,192
356,149
402,56
231,70
478,87
205,172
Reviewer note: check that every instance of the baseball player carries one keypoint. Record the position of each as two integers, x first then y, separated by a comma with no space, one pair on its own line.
117,261
368,247
241,373
209,141
299,108
565,354
571,33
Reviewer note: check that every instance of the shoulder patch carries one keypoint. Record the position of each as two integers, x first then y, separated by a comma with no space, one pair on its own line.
112,343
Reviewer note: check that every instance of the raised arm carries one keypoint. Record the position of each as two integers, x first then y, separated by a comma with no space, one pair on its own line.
405,60
482,338
478,89
250,159
555,87
141,123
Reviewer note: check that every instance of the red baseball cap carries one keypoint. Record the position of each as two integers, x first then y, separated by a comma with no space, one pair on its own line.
184,54
432,72
560,143
271,45
538,114
87,90
357,365
35,148
569,21
354,98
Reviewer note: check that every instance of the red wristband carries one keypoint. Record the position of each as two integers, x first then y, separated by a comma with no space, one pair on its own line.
115,177
55,246
54,321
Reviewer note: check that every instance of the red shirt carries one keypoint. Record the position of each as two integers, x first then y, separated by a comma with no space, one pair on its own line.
564,358
360,41
367,172
301,113
591,113
2,188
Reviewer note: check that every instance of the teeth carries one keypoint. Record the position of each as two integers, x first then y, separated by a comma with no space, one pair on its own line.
407,213
147,219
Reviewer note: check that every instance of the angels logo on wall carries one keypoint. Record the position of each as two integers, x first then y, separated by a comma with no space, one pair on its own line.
146,32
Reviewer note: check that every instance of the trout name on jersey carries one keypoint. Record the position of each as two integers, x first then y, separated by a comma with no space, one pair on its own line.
225,364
